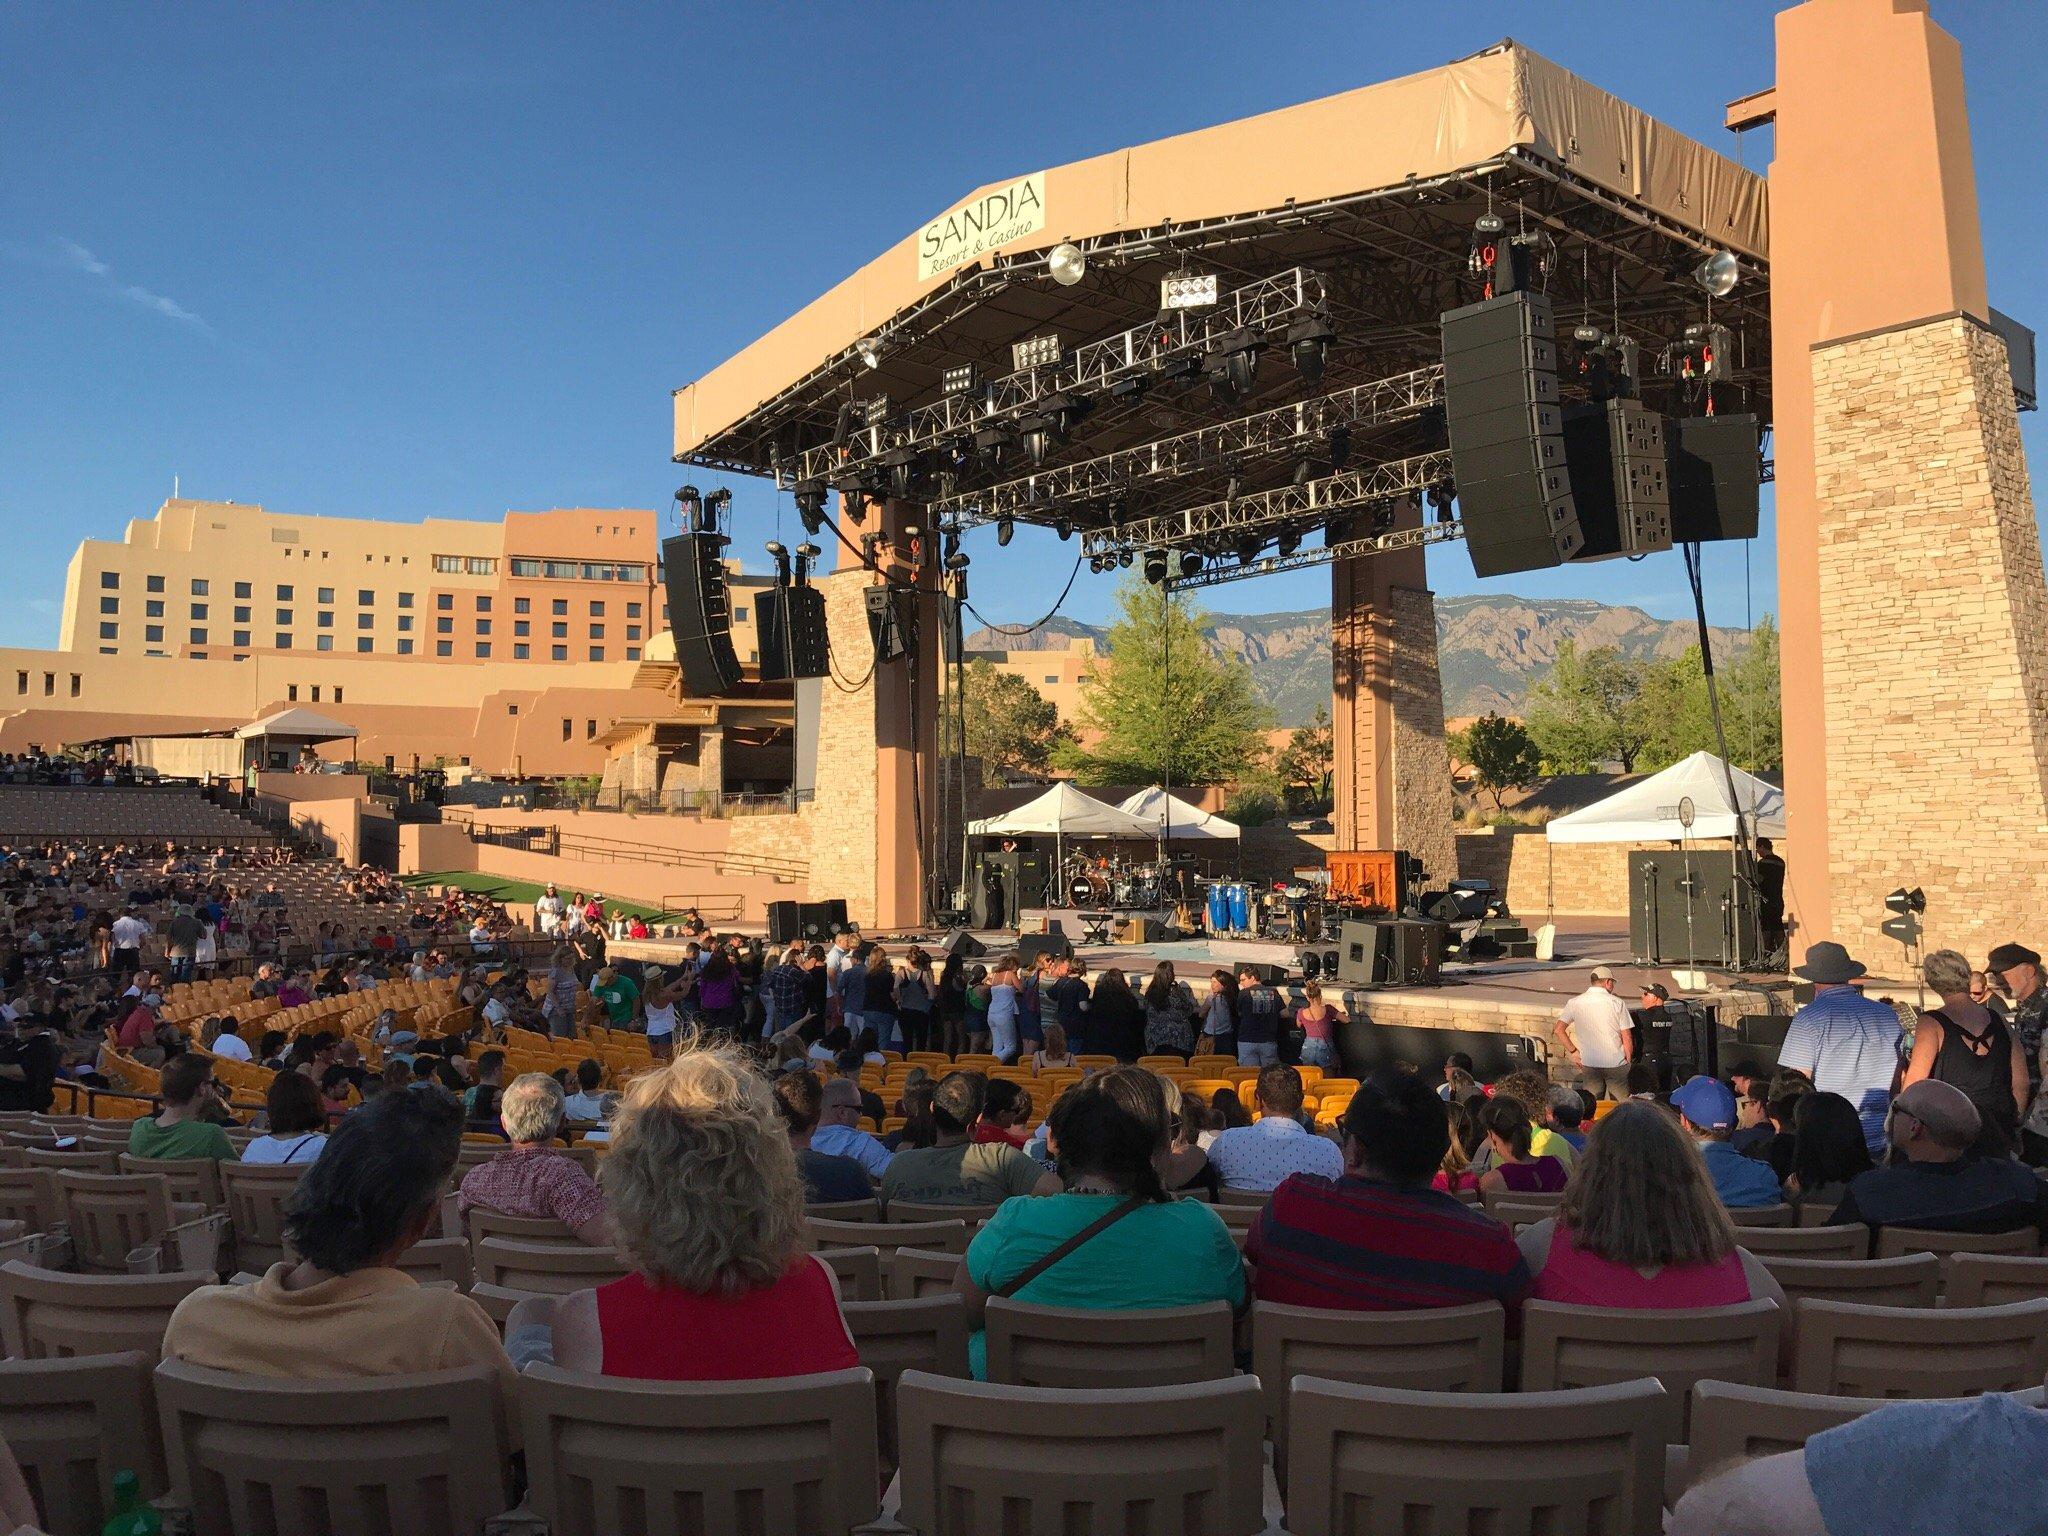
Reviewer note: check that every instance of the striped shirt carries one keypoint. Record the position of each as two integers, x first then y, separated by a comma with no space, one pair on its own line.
1363,1245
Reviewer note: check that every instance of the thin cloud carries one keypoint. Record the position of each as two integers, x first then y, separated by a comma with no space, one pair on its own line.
69,254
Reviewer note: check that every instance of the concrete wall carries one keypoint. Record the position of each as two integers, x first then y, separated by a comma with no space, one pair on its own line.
428,848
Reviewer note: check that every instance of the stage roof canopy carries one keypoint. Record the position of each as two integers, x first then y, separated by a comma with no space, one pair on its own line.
1186,823
1649,810
1063,811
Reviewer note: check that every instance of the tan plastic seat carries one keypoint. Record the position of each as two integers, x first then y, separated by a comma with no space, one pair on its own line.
1363,1460
1257,1199
255,1195
1565,1346
1446,1349
111,1215
753,1458
859,1271
75,1161
72,1424
1911,1280
427,1455
1851,1241
27,1196
921,1212
1994,1279
890,1235
896,1336
46,1314
1762,1216
1845,1350
480,1222
549,1269
194,1180
1893,1241
979,1457
913,1272
846,1210
1073,1347
1545,1200
1515,1214
438,1258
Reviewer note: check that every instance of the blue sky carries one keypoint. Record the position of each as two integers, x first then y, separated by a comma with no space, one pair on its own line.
401,261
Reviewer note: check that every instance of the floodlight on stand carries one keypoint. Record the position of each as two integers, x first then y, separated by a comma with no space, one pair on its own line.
810,505
1190,563
1035,352
870,351
1187,290
1718,274
960,379
1155,566
1005,531
1308,343
1066,264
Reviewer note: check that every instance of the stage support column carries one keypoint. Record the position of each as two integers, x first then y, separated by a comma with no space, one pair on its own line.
1393,774
1913,609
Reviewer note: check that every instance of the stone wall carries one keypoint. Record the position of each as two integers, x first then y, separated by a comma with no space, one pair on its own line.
839,824
1539,876
1934,638
1422,763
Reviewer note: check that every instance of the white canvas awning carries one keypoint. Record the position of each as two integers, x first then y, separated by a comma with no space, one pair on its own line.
1182,821
1648,811
1063,811
298,724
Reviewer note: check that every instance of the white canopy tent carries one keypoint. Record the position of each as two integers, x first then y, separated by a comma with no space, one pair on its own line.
1064,812
1153,806
1649,810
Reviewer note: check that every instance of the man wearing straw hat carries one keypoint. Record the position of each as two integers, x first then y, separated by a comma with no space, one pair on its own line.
1846,1042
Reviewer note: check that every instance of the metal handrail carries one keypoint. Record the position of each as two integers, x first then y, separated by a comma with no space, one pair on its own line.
551,840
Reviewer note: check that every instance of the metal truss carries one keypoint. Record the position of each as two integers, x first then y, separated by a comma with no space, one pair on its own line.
1304,425
1268,512
1343,549
1261,306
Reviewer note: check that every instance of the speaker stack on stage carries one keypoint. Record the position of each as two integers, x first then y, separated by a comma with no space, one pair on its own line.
1715,471
1687,907
784,925
1020,876
700,611
1390,952
817,921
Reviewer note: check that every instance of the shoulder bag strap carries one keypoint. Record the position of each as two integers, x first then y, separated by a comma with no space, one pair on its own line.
1046,1261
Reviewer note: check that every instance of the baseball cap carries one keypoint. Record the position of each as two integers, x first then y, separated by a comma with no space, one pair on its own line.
2006,956
1707,1102
1656,989
1603,973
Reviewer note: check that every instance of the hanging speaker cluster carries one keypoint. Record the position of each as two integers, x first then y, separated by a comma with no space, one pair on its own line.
700,612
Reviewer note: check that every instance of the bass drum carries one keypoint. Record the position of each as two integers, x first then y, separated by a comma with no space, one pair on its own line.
1086,891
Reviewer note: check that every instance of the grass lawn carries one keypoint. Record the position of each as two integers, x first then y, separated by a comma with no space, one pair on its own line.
513,893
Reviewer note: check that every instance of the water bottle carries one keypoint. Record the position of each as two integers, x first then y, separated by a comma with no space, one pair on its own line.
133,1515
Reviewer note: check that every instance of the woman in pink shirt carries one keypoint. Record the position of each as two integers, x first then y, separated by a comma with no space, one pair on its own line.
1641,1226
1318,1021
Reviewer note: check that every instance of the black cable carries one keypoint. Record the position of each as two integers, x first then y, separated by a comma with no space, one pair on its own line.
1745,856
1025,629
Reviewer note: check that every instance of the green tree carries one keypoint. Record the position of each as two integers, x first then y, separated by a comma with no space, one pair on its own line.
1501,755
1680,721
1162,702
1010,724
1587,712
1309,759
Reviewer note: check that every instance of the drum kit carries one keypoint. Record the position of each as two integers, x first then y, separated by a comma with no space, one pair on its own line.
1093,882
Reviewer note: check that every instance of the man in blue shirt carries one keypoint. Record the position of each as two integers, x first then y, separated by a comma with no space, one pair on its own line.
1846,1042
1707,1106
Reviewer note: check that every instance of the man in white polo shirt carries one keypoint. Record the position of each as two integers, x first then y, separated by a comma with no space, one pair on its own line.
1260,1155
1599,1036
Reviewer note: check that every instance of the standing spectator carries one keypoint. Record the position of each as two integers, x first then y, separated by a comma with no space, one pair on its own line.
956,1169
1599,1036
1260,1155
1005,1004
951,1007
800,1099
1116,1019
916,996
660,1001
1066,996
1219,1016
839,1133
180,1129
1258,1021
1169,1013
1964,1043
547,912
718,995
1318,1021
2019,968
532,1177
1935,1180
1707,1107
1844,1042
181,941
617,995
878,999
129,931
786,986
1379,1237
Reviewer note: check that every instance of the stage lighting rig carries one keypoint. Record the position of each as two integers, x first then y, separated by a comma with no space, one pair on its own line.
1035,352
1067,264
1247,548
1190,563
689,507
1155,566
1188,290
1308,343
716,505
1503,263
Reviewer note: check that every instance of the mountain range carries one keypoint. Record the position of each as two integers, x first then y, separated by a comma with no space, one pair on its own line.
1491,650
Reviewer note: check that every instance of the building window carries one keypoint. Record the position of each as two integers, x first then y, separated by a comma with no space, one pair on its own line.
199,586
448,565
365,620
444,626
444,600
284,592
480,565
444,647
199,610
195,637
337,693
327,594
291,693
241,637
511,709
597,631
323,642
522,626
632,653
110,580
632,631
284,642
154,583
363,642
153,608
522,605
590,730
242,589
560,605
739,615
316,693
568,726
21,685
483,626
632,610
365,598
597,653
107,632
324,619
110,605
596,609
75,680
241,614
405,599
483,603
153,633
560,652
405,647
522,652
284,615
404,622
560,631
483,650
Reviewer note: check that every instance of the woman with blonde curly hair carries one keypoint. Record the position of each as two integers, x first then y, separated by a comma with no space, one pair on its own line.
704,1189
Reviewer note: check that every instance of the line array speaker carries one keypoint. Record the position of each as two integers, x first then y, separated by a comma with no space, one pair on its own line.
1615,454
1715,473
889,622
1507,434
700,612
791,624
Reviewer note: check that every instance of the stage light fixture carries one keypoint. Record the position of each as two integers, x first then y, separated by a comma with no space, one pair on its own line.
1067,265
689,506
1440,498
716,506
1247,548
870,351
960,379
810,505
1308,343
950,544
1489,224
1036,433
1340,446
1005,531
1187,290
1155,566
1718,274
1232,366
902,465
957,562
1190,564
1095,565
875,410
1129,387
1290,541
842,423
1124,559
1064,527
1183,369
1035,352
992,442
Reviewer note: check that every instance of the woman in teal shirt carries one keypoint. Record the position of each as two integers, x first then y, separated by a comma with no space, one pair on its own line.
1108,1134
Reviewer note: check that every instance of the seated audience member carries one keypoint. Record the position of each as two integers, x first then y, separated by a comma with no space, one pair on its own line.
180,1128
1454,1174
1005,1111
1530,1089
1379,1238
956,1169
298,1122
1515,1168
917,1129
490,1073
1934,1180
1564,1114
1457,1066
1753,1128
848,1065
710,1210
1640,1225
1260,1155
533,1177
1109,1135
839,1133
1969,1468
1226,1113
344,1308
798,1097
229,1042
1828,1150
586,1103
1707,1107
1186,1168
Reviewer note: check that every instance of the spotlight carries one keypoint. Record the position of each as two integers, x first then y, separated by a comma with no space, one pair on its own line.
1586,335
1129,387
901,463
1311,965
1064,527
1232,367
1308,341
1718,274
1304,471
1230,489
870,351
689,506
1290,541
715,507
1036,433
960,379
1247,548
957,562
842,423
950,545
1005,531
1095,565
806,556
1067,265
810,505
1155,566
1186,290
1340,446
1035,352
1440,499
780,556
1190,564
1124,559
992,442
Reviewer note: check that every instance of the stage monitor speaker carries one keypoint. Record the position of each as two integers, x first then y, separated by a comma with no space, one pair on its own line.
1140,930
1031,945
888,621
964,944
1615,453
1507,434
700,612
1686,907
1715,469
1389,952
819,920
791,624
785,923
1269,975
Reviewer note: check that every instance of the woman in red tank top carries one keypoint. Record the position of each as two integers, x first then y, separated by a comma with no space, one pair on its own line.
704,1189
